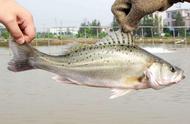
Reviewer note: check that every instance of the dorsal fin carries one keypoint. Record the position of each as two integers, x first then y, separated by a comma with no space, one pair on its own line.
117,38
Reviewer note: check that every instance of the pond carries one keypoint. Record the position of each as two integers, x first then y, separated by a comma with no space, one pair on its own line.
32,97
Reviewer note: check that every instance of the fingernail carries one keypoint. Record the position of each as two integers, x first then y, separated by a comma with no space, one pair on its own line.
20,41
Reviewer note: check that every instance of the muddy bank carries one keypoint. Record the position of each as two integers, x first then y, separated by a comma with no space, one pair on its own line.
54,42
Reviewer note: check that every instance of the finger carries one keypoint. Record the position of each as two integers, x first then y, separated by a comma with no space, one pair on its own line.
29,33
28,29
15,31
121,8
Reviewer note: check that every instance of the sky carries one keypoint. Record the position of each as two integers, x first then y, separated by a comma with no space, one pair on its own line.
53,13
49,13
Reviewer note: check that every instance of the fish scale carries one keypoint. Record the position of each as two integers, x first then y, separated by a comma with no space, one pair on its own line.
113,62
98,52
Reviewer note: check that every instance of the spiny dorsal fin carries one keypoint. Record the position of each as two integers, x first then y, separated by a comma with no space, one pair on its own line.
117,38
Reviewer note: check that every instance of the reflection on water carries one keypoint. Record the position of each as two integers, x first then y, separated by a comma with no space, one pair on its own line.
33,98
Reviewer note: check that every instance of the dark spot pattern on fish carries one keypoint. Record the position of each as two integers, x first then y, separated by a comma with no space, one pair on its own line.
117,36
123,38
112,39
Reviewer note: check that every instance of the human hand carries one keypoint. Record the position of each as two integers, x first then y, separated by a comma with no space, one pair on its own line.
17,20
129,12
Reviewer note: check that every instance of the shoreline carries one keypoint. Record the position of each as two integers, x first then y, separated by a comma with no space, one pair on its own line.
57,42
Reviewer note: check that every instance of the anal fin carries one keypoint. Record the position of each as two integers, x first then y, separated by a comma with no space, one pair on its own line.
118,93
62,79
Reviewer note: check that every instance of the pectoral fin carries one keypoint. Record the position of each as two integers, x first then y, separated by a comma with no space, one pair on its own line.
135,83
118,93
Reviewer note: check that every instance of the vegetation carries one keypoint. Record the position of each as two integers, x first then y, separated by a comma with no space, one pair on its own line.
152,26
4,33
44,35
179,22
147,21
91,29
114,24
168,32
157,23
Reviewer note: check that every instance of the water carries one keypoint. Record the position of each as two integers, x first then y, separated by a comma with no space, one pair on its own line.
33,98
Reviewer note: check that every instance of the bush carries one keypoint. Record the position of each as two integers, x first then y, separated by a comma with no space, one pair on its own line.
102,34
5,34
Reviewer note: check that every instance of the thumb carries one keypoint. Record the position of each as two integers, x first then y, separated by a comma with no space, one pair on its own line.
15,31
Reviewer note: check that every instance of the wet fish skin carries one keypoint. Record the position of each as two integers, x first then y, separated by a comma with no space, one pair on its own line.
112,63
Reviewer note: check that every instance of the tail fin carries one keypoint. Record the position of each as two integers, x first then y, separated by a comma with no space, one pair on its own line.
21,55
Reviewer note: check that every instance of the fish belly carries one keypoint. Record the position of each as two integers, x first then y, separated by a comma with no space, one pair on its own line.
118,77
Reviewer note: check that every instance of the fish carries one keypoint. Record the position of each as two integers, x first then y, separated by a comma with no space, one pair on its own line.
114,62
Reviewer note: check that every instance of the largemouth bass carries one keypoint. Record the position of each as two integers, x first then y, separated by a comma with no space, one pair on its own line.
113,62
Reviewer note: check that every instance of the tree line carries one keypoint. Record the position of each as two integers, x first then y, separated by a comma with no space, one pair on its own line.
93,29
157,29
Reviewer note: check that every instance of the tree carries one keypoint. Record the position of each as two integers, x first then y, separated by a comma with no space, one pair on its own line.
179,22
4,33
95,27
82,29
114,24
167,31
1,30
157,24
89,29
147,21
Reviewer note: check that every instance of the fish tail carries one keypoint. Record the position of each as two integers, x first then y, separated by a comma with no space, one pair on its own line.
21,57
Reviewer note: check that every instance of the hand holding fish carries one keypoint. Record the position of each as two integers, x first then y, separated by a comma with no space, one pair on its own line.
129,12
17,20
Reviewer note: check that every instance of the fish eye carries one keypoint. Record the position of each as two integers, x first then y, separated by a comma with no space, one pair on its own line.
172,69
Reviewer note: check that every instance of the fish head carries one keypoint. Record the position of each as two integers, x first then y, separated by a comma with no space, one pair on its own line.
162,74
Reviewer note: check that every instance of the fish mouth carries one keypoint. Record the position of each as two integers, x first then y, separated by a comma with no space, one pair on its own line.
155,84
179,79
179,76
175,79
